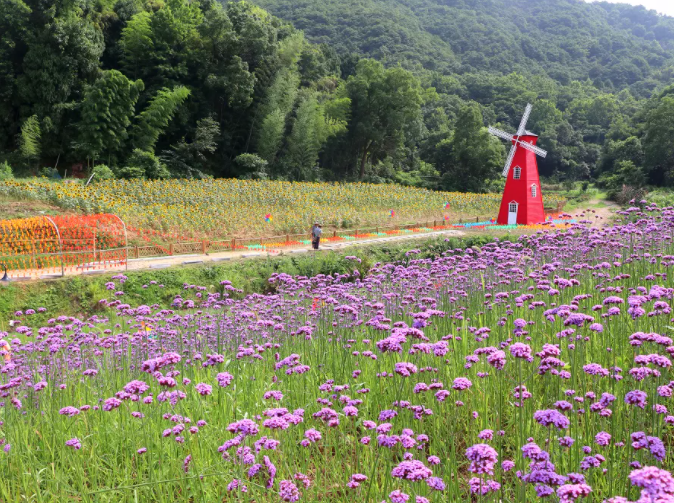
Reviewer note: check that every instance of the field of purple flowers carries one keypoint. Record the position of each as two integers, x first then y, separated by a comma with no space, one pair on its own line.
535,369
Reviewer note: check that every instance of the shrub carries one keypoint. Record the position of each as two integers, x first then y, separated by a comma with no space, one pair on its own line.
47,172
143,164
252,166
102,172
568,185
629,193
5,171
131,172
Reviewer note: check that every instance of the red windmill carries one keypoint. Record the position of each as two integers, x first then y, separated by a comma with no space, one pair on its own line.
522,201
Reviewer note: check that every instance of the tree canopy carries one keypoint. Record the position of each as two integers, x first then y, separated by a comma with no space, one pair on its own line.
377,90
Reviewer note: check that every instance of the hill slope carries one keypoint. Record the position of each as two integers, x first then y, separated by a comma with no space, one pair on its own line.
615,45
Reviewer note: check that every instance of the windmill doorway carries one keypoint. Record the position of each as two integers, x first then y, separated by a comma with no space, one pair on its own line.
512,213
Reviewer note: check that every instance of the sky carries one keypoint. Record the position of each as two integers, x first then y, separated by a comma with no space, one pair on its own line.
662,6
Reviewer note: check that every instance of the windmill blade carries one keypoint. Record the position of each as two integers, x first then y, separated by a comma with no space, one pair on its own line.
509,160
523,124
533,148
500,134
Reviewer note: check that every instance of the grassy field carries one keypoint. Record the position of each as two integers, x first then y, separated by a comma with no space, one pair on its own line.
79,295
189,209
19,207
496,374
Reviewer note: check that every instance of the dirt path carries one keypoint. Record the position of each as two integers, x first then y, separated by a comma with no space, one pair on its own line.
600,212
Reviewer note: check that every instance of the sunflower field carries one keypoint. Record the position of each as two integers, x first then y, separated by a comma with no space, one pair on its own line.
228,207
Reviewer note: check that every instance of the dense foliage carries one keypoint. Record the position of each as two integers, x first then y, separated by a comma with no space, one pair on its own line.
512,372
187,89
596,73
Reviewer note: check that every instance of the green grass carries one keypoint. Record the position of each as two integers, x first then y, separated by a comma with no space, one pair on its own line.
79,295
663,197
12,207
579,199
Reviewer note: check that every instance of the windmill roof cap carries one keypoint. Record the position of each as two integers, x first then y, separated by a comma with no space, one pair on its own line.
529,133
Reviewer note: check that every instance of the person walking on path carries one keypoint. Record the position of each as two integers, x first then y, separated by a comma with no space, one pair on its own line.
316,232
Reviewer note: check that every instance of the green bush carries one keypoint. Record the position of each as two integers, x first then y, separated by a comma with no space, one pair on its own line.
79,295
568,184
102,172
252,166
46,172
143,164
5,171
131,172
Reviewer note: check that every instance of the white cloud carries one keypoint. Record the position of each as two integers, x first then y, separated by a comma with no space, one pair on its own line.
662,6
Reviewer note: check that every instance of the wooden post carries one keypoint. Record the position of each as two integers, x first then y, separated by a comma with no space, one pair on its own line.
334,234
233,244
171,249
377,230
477,219
435,223
137,252
356,233
203,247
287,238
460,220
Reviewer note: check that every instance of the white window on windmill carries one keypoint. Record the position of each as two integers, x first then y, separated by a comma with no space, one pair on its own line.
533,190
517,172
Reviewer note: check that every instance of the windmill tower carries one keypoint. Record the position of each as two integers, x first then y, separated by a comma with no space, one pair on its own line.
522,201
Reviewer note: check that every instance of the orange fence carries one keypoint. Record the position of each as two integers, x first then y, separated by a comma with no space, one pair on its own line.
53,245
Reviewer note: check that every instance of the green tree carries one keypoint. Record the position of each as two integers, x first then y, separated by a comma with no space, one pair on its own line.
658,144
137,44
106,113
29,141
625,174
383,104
629,149
14,19
63,53
156,117
190,159
251,166
278,104
227,77
271,135
472,156
310,131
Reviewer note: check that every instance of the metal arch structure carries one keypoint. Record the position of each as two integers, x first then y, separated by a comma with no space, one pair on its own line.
126,240
40,244
58,234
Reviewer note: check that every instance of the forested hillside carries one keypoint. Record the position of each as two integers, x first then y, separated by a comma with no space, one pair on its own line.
377,90
614,45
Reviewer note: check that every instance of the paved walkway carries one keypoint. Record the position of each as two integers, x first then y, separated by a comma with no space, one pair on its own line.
164,262
182,260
